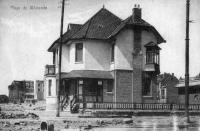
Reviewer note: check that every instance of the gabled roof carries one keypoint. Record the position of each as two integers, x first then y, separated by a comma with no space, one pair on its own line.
152,44
100,26
72,28
192,82
166,79
137,22
104,25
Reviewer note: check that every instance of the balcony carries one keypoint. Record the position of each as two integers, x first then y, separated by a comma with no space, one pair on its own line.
49,70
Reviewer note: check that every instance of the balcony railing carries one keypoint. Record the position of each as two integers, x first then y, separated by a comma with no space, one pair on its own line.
49,70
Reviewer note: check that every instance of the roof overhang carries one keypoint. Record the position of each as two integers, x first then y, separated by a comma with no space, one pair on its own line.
191,84
160,39
95,74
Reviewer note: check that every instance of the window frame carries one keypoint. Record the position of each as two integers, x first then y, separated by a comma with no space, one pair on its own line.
49,87
112,58
110,84
146,79
152,55
76,53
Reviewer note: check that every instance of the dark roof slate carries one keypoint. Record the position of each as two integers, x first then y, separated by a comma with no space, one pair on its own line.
137,22
100,26
152,44
103,25
72,28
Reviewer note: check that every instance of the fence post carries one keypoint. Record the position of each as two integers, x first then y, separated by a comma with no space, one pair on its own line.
171,106
43,126
94,105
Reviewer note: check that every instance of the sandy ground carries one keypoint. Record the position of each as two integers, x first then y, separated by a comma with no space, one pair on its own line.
19,118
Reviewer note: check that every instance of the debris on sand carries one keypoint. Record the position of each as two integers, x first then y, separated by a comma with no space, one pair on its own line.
18,116
6,124
32,115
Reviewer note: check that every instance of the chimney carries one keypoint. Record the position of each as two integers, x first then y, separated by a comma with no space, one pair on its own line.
136,12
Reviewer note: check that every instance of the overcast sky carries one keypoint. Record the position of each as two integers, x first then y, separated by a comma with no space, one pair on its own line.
25,34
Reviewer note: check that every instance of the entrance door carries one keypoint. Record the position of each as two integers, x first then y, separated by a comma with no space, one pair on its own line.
80,90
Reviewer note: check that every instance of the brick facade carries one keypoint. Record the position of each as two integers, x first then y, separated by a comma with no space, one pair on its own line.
154,92
129,87
172,93
123,86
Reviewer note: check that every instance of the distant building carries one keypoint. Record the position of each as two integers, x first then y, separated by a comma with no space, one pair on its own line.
166,91
24,91
29,91
4,99
194,91
39,90
16,92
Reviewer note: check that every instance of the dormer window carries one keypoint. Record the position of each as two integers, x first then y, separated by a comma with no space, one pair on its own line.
152,53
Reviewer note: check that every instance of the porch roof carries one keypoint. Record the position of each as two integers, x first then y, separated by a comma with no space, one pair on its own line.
88,74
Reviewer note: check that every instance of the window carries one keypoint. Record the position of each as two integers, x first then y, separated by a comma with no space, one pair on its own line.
146,82
79,52
152,56
163,93
110,86
54,53
49,87
112,53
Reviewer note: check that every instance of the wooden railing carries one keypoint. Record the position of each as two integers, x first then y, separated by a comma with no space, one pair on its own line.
139,106
64,102
74,105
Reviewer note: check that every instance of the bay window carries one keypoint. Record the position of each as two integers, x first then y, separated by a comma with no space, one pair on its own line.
152,53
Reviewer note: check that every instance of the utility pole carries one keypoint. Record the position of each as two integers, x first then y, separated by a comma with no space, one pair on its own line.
60,56
187,61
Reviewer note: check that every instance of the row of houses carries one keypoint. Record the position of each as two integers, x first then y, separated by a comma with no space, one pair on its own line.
26,91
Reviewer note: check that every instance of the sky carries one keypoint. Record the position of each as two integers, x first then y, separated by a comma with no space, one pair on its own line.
29,27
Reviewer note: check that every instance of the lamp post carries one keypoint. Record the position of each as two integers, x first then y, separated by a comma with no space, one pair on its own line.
187,61
60,56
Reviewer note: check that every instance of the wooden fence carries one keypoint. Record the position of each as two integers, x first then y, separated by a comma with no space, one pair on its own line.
138,106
